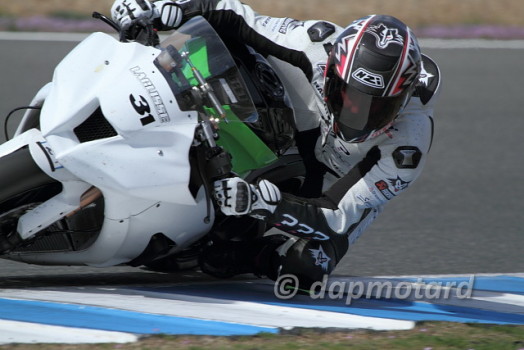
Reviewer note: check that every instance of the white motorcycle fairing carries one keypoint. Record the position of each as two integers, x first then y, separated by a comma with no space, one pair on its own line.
118,77
138,167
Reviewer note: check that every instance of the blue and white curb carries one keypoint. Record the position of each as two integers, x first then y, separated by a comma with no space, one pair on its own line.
24,332
123,314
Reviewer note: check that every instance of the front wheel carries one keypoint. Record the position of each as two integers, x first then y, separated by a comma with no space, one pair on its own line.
23,186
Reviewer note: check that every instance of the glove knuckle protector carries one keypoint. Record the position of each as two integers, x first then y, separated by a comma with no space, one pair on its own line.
124,11
235,196
169,13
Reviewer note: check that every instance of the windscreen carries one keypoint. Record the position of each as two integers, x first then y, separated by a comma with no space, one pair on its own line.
194,50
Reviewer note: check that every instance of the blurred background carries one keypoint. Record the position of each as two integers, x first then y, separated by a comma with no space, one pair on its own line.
430,18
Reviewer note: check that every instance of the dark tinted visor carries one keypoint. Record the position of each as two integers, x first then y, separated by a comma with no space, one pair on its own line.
358,114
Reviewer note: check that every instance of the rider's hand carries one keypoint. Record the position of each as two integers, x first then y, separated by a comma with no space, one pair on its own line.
170,13
236,197
124,11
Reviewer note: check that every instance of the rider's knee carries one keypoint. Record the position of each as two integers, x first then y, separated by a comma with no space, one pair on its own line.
308,260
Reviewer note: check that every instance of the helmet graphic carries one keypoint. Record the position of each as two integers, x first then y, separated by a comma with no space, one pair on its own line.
371,73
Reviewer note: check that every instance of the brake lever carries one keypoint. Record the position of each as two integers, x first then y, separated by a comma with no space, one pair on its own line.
107,20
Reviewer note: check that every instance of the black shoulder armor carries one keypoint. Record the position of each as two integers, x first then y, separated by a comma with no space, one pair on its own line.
429,80
320,31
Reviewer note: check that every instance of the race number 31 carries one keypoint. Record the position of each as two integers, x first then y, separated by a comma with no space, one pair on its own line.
142,107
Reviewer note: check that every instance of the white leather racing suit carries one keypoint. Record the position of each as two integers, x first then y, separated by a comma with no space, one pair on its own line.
358,178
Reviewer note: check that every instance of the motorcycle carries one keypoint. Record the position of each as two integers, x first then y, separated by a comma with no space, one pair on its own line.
114,160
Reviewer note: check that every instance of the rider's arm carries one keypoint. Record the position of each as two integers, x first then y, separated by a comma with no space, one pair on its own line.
358,196
300,43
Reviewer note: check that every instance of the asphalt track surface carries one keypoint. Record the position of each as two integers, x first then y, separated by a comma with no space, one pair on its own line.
462,216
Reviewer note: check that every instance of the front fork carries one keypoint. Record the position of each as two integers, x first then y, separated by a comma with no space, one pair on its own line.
214,162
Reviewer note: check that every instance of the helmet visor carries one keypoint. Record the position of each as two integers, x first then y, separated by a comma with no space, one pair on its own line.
358,114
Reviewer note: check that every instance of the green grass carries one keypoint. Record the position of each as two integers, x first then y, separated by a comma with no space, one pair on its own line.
425,336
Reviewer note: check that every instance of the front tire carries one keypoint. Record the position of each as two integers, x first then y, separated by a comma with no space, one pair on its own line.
23,185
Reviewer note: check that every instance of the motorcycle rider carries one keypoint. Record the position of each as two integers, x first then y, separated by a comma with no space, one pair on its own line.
364,123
